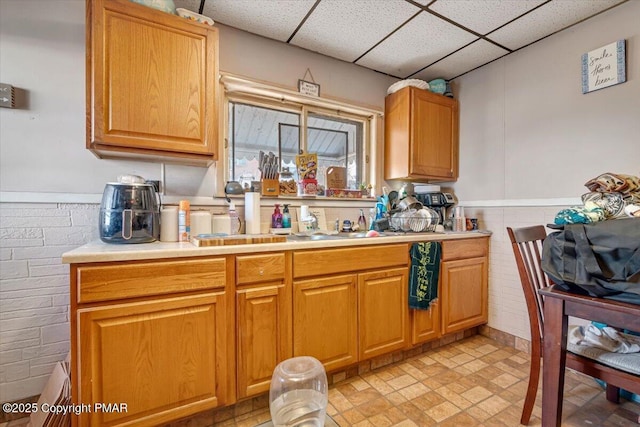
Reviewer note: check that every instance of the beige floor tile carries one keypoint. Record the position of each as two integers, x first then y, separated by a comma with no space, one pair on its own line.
379,384
360,384
396,398
476,394
406,423
505,380
493,405
414,390
402,382
474,382
442,411
453,397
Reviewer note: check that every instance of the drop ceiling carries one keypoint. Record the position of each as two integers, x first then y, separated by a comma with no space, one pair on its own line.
421,39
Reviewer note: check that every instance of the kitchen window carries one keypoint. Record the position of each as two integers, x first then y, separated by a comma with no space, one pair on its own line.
286,123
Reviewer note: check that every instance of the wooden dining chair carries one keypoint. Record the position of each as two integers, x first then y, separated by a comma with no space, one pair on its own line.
527,248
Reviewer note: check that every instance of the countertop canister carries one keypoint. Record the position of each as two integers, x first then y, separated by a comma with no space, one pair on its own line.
200,223
169,224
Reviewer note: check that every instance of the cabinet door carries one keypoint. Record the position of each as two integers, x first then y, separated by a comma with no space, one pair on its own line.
264,338
425,324
325,313
464,294
165,359
382,311
151,82
434,140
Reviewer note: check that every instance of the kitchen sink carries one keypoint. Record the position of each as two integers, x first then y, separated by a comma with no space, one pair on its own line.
338,236
309,237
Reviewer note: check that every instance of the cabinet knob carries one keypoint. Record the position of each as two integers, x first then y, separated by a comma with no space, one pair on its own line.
261,271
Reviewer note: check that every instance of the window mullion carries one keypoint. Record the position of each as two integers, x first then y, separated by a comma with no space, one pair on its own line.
303,128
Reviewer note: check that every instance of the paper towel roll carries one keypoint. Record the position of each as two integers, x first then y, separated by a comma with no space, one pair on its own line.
252,212
200,223
169,224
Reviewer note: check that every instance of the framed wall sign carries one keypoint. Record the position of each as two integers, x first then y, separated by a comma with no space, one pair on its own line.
308,88
604,67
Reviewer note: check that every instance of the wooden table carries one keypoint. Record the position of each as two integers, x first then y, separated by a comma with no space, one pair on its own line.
558,306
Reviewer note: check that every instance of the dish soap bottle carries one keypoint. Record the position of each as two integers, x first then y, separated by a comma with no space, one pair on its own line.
234,219
276,218
362,221
286,217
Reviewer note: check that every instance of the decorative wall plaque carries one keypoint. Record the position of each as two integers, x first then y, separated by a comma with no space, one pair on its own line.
604,67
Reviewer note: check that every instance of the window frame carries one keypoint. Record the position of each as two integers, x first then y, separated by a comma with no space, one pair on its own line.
250,92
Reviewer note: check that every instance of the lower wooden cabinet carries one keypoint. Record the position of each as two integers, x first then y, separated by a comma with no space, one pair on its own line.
170,338
263,319
162,358
425,324
382,311
464,284
263,337
464,293
326,320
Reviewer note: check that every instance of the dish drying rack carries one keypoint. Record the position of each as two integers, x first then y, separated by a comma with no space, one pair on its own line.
416,220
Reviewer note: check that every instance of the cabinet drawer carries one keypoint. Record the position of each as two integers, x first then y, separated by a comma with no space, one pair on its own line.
332,261
259,268
136,279
468,248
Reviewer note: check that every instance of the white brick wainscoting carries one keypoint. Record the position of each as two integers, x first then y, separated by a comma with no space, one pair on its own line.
507,307
34,289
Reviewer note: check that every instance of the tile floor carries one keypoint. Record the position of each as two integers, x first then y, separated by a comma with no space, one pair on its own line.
473,382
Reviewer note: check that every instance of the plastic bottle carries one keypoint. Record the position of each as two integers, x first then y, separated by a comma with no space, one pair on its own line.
276,218
286,217
235,219
184,221
362,221
372,218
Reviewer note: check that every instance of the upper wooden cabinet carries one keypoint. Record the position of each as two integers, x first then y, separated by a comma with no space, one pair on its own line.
151,84
421,136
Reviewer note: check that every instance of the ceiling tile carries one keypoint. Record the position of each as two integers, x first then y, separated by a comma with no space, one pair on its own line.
547,19
275,19
347,29
472,56
424,40
485,16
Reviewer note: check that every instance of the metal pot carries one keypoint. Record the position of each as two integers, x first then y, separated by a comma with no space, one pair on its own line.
409,202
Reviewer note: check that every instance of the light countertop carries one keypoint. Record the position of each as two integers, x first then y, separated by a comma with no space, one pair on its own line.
99,251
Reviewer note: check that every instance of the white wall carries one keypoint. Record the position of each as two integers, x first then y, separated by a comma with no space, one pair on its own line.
42,51
528,132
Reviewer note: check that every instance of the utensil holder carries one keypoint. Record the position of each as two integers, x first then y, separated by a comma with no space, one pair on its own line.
270,187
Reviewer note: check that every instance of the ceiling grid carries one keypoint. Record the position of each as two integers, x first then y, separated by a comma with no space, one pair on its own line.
423,39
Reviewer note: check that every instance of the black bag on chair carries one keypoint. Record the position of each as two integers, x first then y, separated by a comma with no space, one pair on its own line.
601,259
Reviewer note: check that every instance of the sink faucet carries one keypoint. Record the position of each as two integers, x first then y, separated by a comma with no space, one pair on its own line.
311,221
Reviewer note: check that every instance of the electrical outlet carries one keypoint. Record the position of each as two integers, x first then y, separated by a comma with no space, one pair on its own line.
7,96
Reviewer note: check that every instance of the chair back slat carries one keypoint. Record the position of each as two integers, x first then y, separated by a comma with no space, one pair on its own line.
527,248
